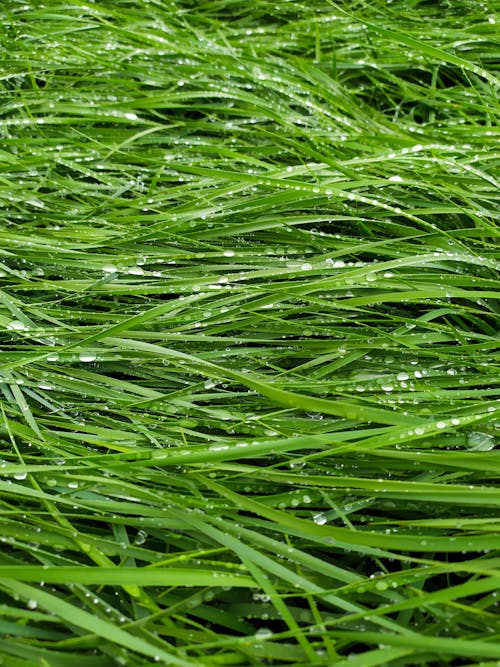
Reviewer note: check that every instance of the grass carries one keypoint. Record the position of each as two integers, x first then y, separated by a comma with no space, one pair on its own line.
249,333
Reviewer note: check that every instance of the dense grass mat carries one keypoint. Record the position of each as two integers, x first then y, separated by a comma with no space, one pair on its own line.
249,333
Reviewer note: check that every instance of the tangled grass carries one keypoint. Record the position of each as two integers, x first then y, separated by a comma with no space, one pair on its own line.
249,333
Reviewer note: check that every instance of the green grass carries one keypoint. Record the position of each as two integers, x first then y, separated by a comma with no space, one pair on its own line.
249,328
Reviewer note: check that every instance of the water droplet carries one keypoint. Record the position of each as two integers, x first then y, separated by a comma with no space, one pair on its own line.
16,325
482,442
263,634
87,357
32,604
141,537
381,585
228,253
320,519
109,268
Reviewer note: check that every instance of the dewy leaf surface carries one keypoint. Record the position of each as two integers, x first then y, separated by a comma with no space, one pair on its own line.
249,317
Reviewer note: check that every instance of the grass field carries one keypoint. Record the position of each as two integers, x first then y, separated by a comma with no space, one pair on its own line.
249,315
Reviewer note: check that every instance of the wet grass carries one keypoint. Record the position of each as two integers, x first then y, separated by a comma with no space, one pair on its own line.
249,333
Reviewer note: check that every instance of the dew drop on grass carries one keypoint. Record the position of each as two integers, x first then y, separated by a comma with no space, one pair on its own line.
228,253
53,357
481,442
32,604
109,268
17,325
320,519
141,537
34,201
263,634
87,357
20,475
